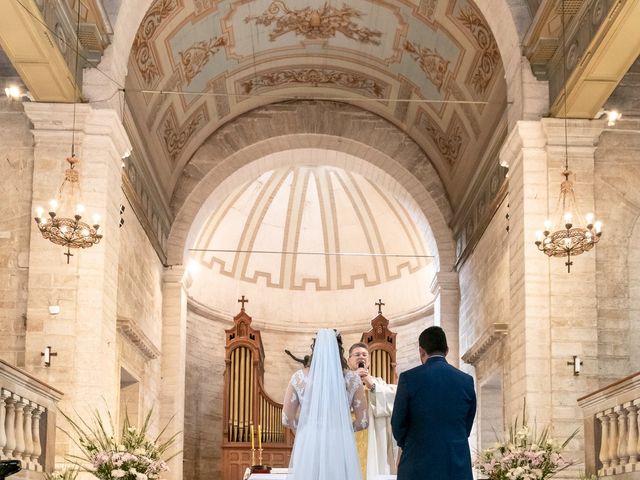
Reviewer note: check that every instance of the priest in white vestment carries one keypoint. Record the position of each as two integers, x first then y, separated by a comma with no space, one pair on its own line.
377,448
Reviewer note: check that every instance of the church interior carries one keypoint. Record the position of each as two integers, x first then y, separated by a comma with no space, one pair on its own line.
192,187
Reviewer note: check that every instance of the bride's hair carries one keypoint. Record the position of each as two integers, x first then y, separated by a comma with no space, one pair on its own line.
343,361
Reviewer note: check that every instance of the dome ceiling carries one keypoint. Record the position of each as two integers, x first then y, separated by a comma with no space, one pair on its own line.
312,210
237,55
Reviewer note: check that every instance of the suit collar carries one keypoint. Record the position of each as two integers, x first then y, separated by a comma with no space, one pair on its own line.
436,359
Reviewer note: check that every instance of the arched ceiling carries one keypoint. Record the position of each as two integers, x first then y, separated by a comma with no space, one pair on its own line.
339,229
237,55
304,207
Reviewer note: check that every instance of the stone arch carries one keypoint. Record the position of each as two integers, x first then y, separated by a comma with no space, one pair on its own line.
312,124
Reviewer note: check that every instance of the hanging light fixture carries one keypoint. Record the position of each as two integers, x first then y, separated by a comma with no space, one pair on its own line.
71,231
574,238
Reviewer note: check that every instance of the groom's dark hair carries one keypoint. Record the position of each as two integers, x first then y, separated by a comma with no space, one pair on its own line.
433,340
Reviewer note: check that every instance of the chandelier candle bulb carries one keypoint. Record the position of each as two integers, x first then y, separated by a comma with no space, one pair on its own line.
598,227
53,205
539,236
79,209
547,225
568,219
39,212
96,219
589,218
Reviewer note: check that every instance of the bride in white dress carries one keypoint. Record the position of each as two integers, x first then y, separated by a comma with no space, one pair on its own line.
317,406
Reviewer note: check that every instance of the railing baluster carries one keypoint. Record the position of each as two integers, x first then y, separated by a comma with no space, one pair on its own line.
604,456
3,434
613,438
37,445
10,426
28,434
632,445
19,450
622,435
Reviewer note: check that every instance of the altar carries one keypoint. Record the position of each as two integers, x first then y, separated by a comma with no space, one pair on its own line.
281,474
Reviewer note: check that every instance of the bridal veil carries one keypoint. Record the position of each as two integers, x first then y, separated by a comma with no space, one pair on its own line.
324,447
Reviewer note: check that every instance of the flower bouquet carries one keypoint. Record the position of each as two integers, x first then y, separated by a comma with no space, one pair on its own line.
523,455
130,455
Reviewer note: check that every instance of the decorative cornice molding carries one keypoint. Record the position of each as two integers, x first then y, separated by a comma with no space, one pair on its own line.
494,333
134,333
444,281
225,319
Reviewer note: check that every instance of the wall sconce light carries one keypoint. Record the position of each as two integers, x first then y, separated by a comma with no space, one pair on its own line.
46,356
13,92
54,309
577,365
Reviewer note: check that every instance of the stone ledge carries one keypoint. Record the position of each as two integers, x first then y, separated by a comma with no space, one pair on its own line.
130,330
494,333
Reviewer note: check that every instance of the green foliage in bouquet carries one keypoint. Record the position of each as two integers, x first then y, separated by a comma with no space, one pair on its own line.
523,454
129,455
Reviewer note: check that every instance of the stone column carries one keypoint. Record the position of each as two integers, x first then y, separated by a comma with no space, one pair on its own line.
84,332
175,283
446,303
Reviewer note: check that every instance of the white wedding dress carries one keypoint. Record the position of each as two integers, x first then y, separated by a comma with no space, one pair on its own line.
317,406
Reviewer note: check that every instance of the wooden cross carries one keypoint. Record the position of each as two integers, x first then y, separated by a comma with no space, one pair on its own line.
243,301
68,254
380,304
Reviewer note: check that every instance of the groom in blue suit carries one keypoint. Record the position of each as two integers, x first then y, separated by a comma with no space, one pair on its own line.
433,414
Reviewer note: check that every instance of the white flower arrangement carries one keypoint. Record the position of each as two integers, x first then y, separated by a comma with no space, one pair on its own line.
523,455
127,456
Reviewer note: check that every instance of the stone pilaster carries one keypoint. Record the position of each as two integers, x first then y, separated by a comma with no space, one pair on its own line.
446,305
529,328
84,332
174,353
573,312
553,314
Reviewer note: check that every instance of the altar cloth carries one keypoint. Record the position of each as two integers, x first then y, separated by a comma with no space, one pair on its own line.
281,474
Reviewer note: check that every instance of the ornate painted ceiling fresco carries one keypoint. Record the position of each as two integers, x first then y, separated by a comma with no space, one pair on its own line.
419,65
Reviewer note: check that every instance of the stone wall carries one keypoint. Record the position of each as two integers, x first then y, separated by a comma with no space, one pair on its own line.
617,186
16,170
484,286
139,302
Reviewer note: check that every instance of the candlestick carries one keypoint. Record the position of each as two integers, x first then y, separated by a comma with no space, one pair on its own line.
252,445
259,437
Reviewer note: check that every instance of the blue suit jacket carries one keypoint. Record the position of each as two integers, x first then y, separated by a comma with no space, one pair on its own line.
432,418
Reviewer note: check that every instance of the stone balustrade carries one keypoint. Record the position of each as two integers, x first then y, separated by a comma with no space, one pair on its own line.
611,429
27,419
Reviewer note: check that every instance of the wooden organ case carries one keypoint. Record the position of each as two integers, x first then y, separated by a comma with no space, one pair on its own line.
382,348
246,404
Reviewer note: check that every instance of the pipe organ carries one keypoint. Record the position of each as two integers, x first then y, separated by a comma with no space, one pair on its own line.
382,349
247,405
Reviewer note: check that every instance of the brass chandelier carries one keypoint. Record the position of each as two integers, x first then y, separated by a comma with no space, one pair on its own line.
71,231
574,239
